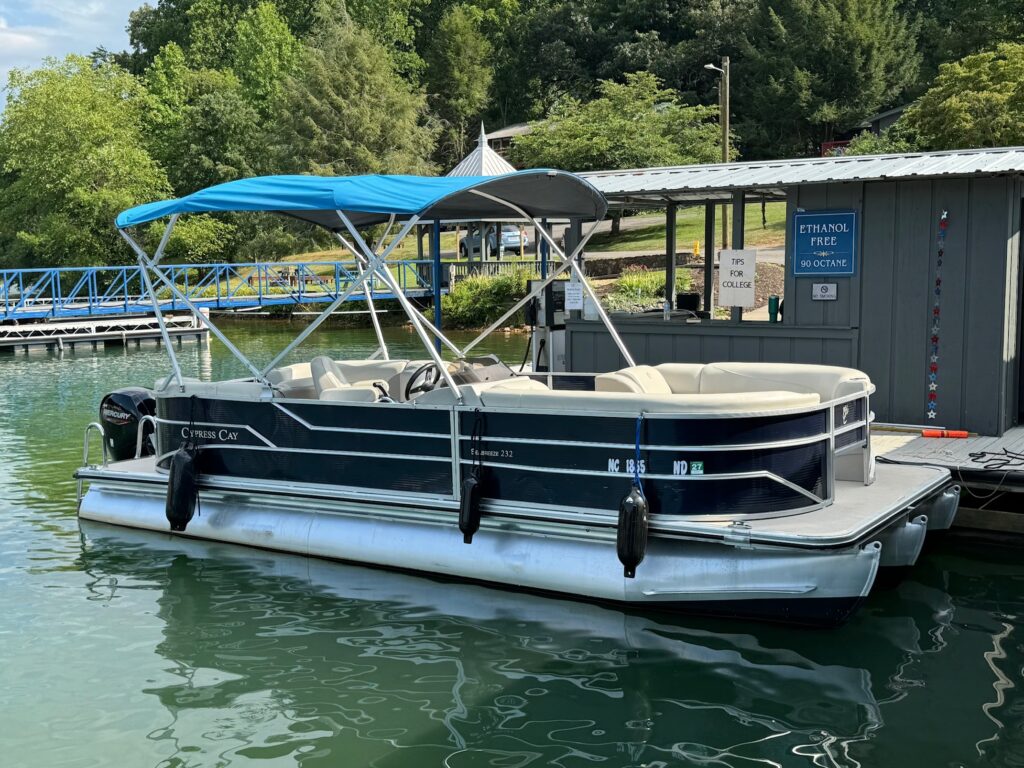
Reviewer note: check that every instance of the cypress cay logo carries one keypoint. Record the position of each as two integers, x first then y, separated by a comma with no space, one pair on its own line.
223,435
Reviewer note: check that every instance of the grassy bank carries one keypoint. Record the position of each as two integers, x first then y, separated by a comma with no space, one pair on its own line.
690,227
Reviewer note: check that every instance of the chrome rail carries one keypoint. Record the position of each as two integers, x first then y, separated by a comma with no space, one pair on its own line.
139,434
86,444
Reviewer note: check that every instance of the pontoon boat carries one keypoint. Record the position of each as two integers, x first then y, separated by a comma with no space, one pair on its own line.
738,488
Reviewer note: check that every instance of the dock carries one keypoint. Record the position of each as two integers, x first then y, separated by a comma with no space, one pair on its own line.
989,469
106,331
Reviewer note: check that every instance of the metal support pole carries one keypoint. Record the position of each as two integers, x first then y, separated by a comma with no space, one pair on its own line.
382,347
542,247
390,282
738,203
574,267
670,258
410,310
435,282
145,263
709,260
164,335
373,262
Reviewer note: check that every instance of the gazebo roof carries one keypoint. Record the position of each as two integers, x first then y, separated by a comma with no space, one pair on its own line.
482,161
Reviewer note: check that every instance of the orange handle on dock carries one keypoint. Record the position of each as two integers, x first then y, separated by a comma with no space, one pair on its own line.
956,433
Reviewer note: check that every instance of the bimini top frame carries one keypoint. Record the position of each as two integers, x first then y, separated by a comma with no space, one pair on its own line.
343,205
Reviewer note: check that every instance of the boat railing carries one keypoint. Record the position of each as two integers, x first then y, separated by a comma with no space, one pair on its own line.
86,444
140,433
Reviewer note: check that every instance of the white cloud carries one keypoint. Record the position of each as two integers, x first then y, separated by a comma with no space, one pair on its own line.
30,31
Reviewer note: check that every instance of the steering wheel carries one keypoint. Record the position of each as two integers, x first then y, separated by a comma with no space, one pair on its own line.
430,375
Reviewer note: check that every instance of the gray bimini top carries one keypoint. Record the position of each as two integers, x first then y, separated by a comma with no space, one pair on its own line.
368,200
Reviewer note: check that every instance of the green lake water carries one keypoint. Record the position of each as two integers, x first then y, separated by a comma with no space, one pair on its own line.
119,648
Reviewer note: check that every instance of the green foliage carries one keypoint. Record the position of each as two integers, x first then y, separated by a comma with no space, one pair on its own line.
392,23
265,51
894,139
639,288
201,125
345,112
72,157
811,68
952,29
479,300
459,73
630,125
975,102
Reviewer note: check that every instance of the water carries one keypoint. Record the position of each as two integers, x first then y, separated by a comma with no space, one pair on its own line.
128,649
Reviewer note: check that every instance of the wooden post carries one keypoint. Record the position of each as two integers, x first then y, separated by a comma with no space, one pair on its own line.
738,201
670,258
709,259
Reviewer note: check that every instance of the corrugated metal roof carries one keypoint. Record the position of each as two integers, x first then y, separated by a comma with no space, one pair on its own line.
482,161
771,177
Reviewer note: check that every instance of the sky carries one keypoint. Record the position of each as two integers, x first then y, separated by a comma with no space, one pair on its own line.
31,30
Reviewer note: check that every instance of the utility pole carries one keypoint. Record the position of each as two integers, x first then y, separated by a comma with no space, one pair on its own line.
723,119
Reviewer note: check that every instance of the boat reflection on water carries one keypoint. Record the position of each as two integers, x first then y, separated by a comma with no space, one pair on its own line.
307,661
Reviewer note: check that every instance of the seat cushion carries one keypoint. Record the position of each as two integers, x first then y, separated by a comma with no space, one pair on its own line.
828,382
638,378
326,375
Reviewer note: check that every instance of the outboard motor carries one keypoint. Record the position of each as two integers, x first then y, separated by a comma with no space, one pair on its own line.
120,414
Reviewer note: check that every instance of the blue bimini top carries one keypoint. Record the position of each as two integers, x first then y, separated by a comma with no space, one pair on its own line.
369,200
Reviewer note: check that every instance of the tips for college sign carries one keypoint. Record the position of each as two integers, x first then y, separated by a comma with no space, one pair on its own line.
825,243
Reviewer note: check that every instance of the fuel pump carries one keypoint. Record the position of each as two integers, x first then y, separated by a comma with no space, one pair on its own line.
546,313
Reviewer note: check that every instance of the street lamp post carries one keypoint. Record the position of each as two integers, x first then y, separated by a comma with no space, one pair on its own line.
723,104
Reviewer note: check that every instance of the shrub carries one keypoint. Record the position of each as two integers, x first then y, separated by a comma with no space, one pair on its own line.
639,288
479,300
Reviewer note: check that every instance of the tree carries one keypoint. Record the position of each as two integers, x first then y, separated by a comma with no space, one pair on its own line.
73,156
346,111
459,76
265,51
895,139
952,29
975,102
392,23
814,67
201,126
629,125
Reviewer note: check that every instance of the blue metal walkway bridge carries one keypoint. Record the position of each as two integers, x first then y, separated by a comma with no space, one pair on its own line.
76,292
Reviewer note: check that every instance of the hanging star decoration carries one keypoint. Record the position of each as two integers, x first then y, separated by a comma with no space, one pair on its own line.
932,398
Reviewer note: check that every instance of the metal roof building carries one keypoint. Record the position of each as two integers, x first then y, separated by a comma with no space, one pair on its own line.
927,302
771,178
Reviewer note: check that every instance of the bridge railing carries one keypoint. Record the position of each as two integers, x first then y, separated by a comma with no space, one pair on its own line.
86,291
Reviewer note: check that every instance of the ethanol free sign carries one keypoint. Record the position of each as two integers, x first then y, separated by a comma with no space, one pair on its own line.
736,278
824,242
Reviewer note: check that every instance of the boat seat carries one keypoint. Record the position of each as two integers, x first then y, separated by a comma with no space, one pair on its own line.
828,382
643,379
732,403
330,384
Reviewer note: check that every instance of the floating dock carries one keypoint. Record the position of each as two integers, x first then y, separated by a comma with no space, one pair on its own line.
989,469
109,331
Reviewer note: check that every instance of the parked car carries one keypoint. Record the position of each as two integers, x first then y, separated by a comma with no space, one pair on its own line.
511,240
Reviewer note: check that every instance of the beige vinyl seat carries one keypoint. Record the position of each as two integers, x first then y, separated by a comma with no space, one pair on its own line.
330,384
823,381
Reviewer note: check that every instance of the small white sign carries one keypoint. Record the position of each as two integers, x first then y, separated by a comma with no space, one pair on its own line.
573,295
736,278
823,291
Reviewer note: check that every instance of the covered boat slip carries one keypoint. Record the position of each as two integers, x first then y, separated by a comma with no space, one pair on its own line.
747,488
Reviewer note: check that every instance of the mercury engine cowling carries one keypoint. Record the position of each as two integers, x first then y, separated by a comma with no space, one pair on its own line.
120,414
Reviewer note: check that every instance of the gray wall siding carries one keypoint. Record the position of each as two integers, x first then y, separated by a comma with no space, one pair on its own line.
900,226
882,319
654,341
